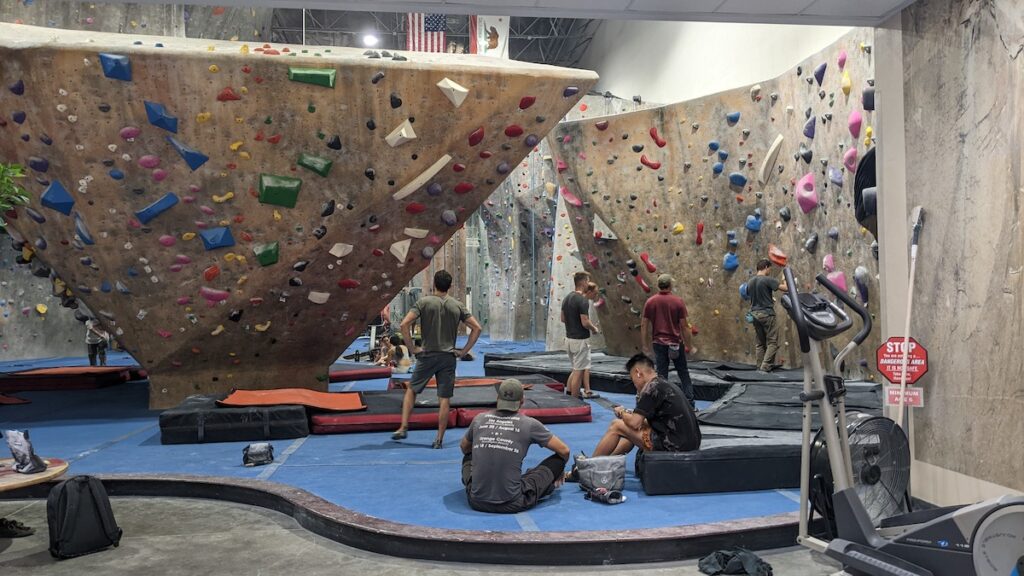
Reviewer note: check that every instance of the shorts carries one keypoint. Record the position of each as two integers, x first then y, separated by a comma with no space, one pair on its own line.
440,365
579,353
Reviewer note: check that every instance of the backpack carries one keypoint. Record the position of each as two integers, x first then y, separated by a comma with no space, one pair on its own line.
602,477
80,518
258,454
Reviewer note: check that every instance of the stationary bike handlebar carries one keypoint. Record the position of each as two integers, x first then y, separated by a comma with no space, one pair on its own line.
852,303
795,312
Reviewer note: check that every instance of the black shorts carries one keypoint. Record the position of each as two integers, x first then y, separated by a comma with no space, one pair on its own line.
440,365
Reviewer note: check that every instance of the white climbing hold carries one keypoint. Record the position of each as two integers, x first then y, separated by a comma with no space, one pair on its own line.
453,91
416,232
768,164
404,133
400,249
341,250
420,180
318,297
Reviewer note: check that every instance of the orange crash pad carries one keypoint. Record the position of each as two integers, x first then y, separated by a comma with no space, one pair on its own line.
333,401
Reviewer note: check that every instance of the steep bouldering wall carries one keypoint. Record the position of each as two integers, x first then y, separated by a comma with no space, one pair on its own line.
236,213
964,78
701,189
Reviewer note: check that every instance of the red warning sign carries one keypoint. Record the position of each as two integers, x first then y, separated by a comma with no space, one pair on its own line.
912,396
890,359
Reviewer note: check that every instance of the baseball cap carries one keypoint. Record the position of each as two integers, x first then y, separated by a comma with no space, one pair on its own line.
510,394
665,281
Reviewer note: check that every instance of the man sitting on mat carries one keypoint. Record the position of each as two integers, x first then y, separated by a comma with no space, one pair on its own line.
663,419
439,317
494,448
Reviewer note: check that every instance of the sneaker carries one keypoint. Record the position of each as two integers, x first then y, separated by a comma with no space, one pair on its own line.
14,529
437,445
399,435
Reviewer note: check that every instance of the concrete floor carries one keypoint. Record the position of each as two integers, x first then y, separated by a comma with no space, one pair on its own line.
200,537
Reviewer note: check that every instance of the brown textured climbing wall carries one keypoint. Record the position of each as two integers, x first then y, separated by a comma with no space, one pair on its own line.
241,228
658,176
964,132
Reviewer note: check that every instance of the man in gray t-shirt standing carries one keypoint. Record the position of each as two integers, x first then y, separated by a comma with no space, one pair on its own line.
760,288
578,327
439,316
494,448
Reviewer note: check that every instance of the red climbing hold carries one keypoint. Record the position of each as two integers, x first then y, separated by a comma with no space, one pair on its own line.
485,154
649,163
598,234
646,258
657,139
700,233
476,136
274,139
643,283
217,11
378,252
602,125
246,237
259,136
211,273
348,283
463,187
526,101
227,94
459,167
246,69
592,260
415,208
513,130
570,198
561,166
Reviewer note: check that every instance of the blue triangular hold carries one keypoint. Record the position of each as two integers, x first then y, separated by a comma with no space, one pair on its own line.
219,237
157,208
56,197
116,66
159,117
192,157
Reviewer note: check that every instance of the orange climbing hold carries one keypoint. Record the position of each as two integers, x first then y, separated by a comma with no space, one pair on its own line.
657,139
212,272
777,256
649,163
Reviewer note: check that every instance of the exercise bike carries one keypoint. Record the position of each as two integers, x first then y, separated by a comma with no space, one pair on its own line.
983,539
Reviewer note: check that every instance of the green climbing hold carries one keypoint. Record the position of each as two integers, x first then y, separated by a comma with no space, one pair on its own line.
267,254
318,76
321,166
279,190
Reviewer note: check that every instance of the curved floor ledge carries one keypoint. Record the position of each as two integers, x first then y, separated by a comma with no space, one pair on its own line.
404,540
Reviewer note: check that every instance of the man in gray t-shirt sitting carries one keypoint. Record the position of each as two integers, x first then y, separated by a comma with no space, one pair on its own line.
494,448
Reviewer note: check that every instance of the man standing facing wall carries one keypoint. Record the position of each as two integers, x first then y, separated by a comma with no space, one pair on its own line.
762,309
663,328
578,327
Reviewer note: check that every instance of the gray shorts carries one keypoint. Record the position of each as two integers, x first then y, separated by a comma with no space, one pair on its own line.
440,365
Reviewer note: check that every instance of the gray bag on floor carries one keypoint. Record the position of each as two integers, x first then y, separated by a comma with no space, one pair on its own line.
602,477
258,454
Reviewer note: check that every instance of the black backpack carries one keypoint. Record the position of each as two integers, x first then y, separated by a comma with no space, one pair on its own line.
80,519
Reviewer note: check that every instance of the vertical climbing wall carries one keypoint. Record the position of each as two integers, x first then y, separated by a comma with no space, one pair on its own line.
235,214
701,190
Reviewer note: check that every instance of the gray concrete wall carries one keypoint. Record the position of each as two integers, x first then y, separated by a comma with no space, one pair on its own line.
964,127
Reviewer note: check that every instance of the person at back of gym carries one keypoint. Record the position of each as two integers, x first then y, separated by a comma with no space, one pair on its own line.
762,311
578,327
96,340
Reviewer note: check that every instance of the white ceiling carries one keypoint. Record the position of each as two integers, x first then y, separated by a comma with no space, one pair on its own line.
837,12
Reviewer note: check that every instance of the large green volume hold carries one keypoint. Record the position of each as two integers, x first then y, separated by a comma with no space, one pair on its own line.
319,76
279,190
321,166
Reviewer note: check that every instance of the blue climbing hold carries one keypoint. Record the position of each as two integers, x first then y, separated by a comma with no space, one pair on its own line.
159,117
731,235
18,117
18,88
732,117
833,233
132,271
157,208
191,156
819,72
810,127
45,139
744,294
105,286
116,66
116,174
835,175
730,262
83,231
723,155
219,237
753,223
56,197
713,145
36,216
717,168
737,179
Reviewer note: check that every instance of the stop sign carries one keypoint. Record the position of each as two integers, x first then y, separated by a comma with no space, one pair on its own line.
890,359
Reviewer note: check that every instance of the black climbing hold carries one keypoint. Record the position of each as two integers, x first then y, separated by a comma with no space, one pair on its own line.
833,233
327,209
300,265
235,315
806,153
371,124
372,219
320,232
295,281
104,108
799,70
811,245
377,77
372,54
396,102
785,214
18,88
334,143
369,172
399,58
631,263
391,182
45,139
385,54
638,148
540,119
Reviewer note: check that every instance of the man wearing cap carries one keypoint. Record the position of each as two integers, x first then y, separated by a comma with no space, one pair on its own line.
663,327
494,448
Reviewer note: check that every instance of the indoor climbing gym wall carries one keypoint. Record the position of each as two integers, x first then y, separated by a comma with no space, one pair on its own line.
964,128
236,213
703,189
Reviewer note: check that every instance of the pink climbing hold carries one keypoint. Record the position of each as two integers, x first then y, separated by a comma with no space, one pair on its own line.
561,166
159,175
206,210
435,240
842,59
348,283
184,301
839,279
167,240
850,159
657,139
182,259
129,133
649,163
213,295
807,193
149,161
646,258
700,233
570,198
828,263
164,333
592,260
134,224
227,95
643,283
855,123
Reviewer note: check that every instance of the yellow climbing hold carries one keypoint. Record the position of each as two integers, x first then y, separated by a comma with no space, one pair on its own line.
224,198
244,48
236,145
277,216
240,259
211,48
867,136
244,90
550,187
847,83
244,155
188,309
188,236
230,257
217,330
214,68
41,308
239,119
717,312
242,279
26,253
224,223
203,117
678,228
263,327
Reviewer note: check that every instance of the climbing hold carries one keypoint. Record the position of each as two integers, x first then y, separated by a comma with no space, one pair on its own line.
737,179
531,140
646,258
317,76
847,83
839,279
116,66
811,244
452,90
810,126
649,163
400,135
807,193
638,148
717,167
828,263
212,295
416,232
850,159
18,88
279,190
159,117
262,327
449,217
833,233
150,212
868,134
731,235
768,164
415,208
855,122
219,237
842,59
35,216
318,297
835,176
396,101
211,273
502,168
227,94
753,223
678,228
56,197
476,136
723,155
657,139
267,254
191,156
730,262
806,154
319,165
819,72
732,117
167,240
570,198
340,250
867,98
713,145
376,78
334,143
755,92
643,283
777,256
463,187
860,279
700,233
400,249
570,91
785,214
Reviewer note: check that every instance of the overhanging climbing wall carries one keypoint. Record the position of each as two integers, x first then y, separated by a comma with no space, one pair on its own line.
236,214
701,189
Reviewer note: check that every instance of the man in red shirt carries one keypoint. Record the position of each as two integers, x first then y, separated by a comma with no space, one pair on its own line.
663,327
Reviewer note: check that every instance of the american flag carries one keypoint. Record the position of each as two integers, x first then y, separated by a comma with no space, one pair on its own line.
425,32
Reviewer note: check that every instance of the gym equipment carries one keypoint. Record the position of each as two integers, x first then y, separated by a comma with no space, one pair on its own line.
984,539
331,401
199,419
755,466
350,372
777,405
